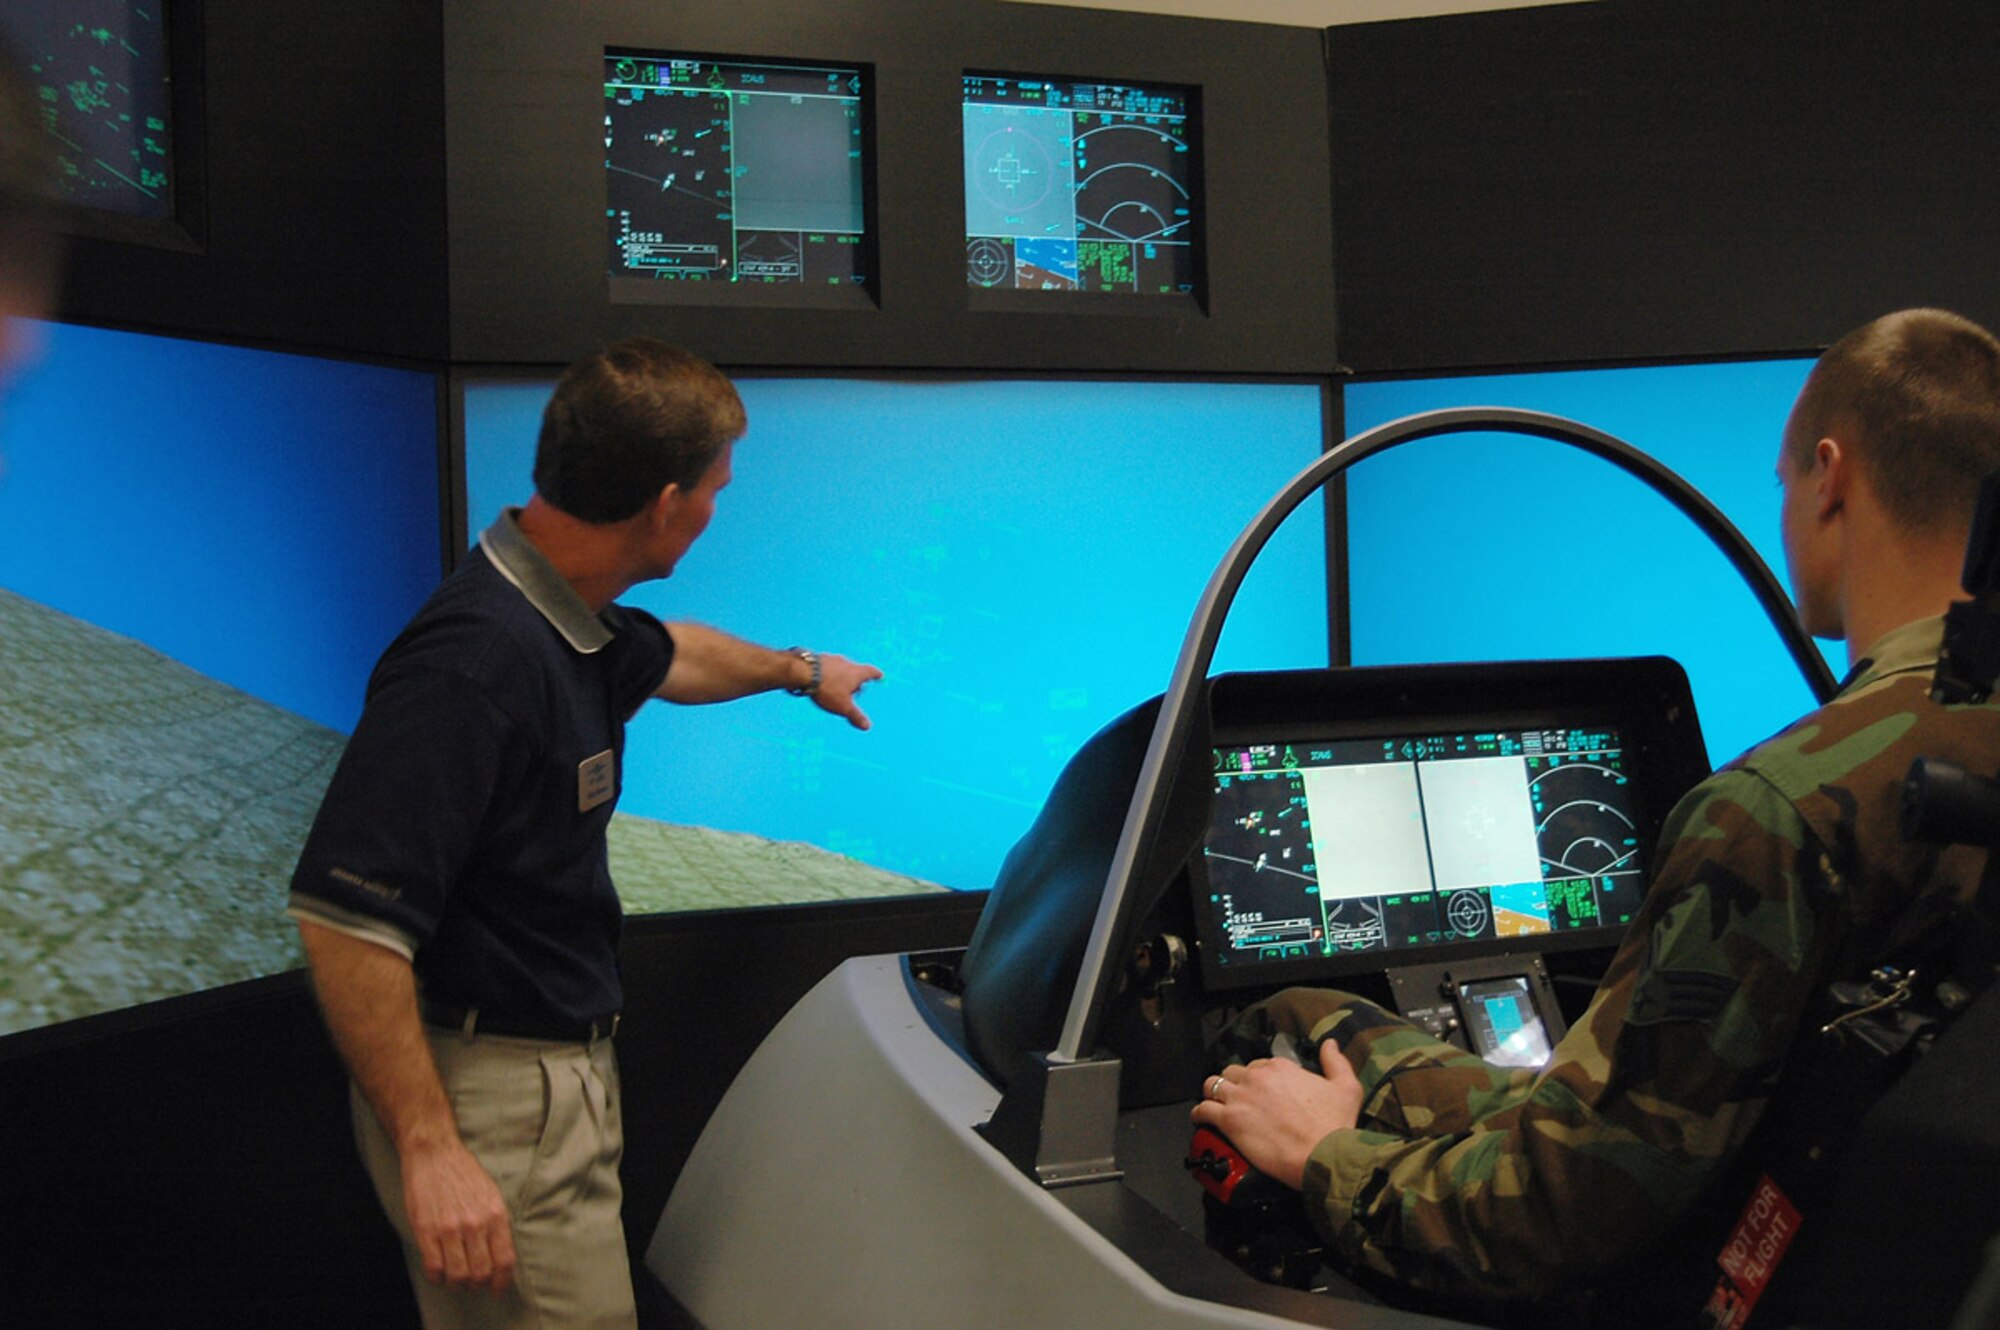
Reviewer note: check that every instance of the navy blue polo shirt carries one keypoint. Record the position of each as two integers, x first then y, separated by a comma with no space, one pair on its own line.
464,826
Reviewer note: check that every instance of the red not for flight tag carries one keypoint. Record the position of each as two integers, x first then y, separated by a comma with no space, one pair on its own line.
1748,1260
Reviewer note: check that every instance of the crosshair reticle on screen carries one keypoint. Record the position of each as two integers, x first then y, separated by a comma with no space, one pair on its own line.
1078,186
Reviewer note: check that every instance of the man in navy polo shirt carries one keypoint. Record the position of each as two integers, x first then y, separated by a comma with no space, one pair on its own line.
454,897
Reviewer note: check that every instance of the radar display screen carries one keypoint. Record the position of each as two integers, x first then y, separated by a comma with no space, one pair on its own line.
1320,848
726,171
1079,186
99,68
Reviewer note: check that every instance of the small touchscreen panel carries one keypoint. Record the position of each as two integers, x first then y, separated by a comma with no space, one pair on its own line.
1502,1022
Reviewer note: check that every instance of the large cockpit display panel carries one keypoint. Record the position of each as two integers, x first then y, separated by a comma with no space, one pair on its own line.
1421,840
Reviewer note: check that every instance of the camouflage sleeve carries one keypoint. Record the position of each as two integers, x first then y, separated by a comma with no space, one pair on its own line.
1412,1083
1546,1184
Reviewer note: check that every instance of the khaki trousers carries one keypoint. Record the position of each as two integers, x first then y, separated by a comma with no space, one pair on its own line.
543,1119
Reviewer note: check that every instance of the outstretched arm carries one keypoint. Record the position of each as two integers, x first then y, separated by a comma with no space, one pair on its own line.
368,994
712,666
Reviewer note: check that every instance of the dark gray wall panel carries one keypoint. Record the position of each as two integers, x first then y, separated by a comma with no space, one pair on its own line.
1632,179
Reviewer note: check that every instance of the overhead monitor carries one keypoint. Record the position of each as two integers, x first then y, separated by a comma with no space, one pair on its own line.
1080,186
105,72
735,179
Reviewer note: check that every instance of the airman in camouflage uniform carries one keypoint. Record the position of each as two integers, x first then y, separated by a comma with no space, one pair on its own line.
1776,874
1471,1178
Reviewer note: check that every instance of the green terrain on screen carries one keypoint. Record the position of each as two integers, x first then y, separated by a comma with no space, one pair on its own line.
150,817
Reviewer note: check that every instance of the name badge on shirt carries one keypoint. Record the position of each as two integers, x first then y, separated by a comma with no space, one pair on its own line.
595,781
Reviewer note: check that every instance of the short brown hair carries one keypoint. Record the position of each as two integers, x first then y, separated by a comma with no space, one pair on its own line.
1916,394
629,421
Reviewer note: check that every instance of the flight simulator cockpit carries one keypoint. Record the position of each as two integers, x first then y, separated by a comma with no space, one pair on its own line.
1001,1136
1429,835
1442,838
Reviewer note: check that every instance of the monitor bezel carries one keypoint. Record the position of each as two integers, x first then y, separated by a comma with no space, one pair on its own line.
1645,699
185,228
1174,304
863,294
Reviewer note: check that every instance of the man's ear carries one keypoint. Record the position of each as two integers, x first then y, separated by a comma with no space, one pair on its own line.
1833,473
664,505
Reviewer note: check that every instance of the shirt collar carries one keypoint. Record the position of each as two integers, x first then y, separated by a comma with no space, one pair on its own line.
1914,646
547,590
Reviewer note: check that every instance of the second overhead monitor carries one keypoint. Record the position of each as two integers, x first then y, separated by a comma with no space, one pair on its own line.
1077,185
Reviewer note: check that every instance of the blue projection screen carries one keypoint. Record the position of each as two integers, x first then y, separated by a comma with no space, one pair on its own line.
1499,547
1020,556
269,520
202,551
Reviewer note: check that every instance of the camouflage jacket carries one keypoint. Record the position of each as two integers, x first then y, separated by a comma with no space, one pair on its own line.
1774,875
